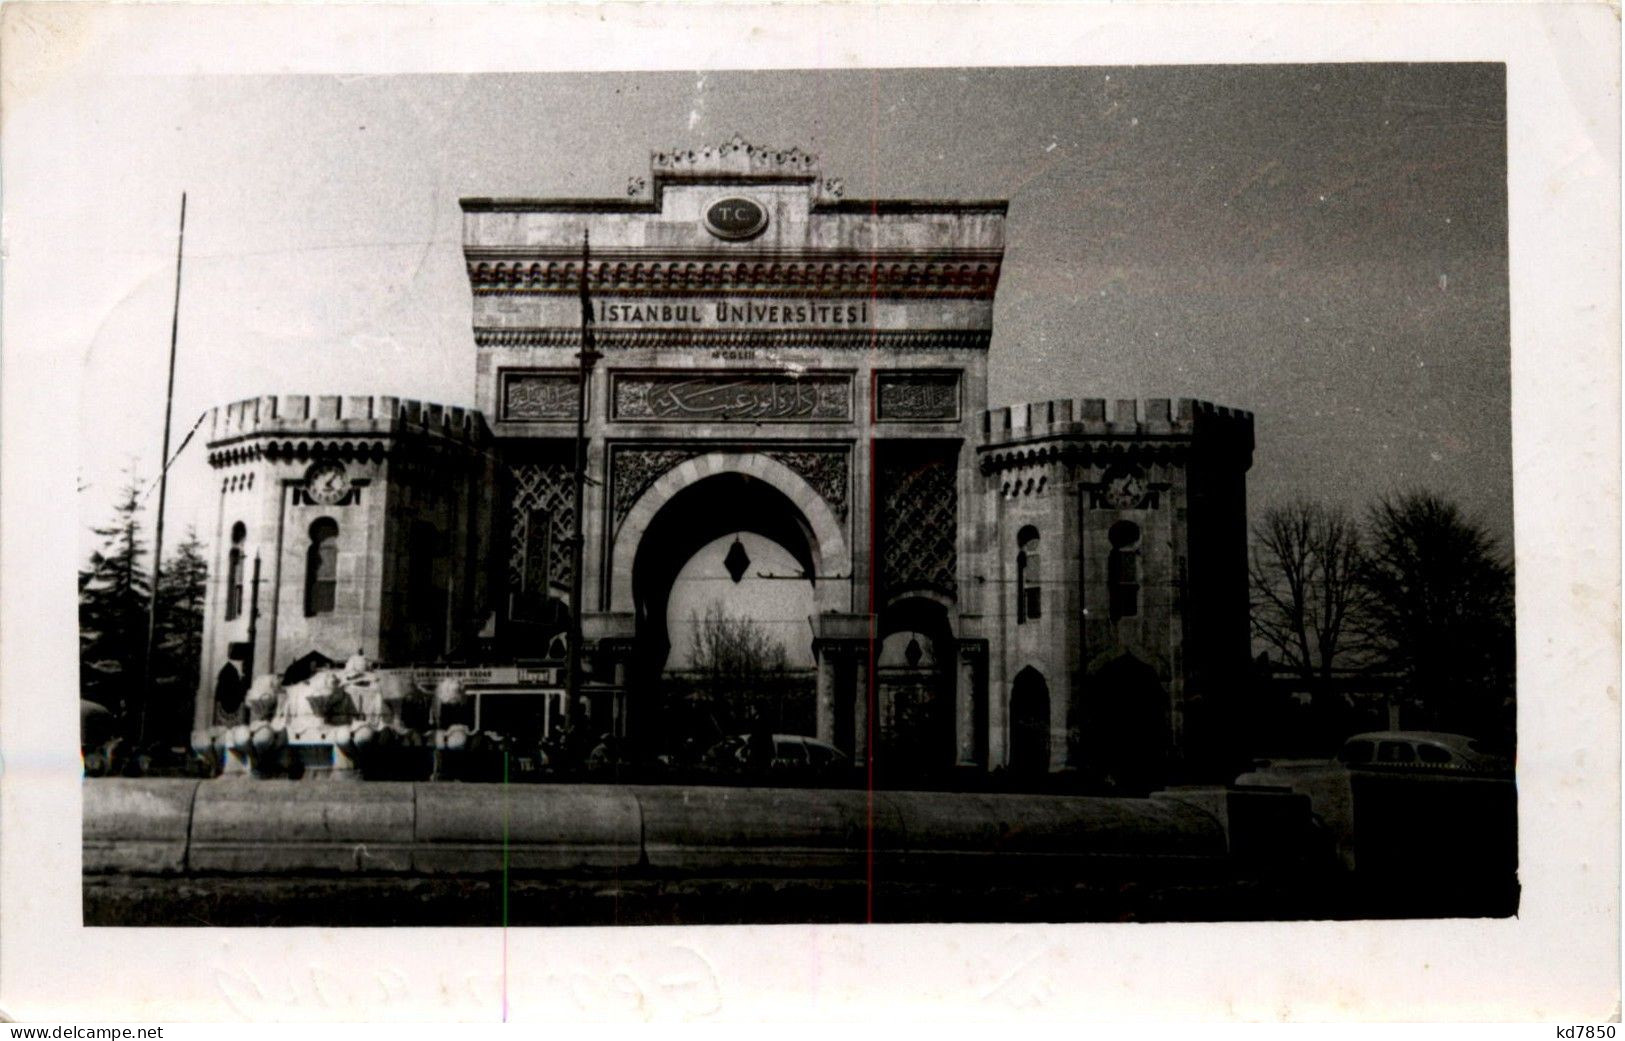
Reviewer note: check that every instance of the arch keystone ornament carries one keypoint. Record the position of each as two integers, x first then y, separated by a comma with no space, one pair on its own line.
736,217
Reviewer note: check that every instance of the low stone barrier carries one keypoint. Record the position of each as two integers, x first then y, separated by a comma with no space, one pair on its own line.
243,826
137,826
759,830
270,828
552,829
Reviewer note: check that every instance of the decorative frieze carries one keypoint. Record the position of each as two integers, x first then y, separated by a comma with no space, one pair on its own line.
1070,452
739,397
746,339
540,395
916,396
960,274
301,449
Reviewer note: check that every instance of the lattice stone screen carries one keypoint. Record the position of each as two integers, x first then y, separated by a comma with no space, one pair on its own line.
919,508
540,490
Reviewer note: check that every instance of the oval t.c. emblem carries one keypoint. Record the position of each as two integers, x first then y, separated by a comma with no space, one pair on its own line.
735,218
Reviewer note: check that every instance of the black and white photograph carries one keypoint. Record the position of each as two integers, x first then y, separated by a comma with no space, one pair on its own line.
1012,493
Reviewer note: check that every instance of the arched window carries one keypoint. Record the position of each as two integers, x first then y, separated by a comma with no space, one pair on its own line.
1029,592
234,572
322,567
1123,569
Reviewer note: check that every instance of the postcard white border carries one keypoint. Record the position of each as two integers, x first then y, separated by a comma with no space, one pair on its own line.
1559,958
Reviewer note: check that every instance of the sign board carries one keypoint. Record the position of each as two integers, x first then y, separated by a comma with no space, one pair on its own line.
537,676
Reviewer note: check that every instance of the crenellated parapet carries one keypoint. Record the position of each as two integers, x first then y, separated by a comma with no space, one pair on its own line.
358,426
1064,430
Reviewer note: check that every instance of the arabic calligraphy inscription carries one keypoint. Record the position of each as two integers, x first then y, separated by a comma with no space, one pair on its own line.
534,395
735,397
919,395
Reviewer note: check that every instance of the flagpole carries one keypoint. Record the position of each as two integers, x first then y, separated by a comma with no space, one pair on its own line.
163,490
587,356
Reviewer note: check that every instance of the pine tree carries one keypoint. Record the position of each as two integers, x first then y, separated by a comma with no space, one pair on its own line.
113,593
181,589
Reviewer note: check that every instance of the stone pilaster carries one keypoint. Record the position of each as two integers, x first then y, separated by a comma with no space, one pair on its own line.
825,692
965,696
860,706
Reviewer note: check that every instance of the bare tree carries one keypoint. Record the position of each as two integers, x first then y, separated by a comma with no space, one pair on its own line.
740,664
1308,599
731,645
1441,610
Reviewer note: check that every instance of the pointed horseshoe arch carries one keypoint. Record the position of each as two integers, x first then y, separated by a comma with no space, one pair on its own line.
831,555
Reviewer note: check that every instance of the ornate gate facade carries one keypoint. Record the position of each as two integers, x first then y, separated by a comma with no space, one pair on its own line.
753,325
1056,586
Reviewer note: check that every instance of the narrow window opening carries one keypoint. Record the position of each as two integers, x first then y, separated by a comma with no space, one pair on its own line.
1123,570
322,568
234,572
1029,589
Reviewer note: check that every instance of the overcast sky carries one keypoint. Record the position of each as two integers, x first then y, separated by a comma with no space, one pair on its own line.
1322,245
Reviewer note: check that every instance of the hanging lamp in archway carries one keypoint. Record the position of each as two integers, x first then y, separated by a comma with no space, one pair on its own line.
912,653
737,560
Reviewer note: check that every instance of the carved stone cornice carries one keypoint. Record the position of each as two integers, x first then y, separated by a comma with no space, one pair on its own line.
737,162
649,339
1080,452
277,448
956,274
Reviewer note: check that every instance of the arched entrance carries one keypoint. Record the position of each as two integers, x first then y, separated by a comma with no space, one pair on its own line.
1126,726
229,690
722,563
1029,723
914,668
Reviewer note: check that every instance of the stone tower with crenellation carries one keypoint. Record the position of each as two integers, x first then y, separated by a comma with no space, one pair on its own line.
365,521
1118,543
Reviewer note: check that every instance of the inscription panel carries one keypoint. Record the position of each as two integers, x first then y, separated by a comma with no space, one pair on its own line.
539,395
732,397
918,396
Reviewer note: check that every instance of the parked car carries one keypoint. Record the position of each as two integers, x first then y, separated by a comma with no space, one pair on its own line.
791,754
1415,814
1421,750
